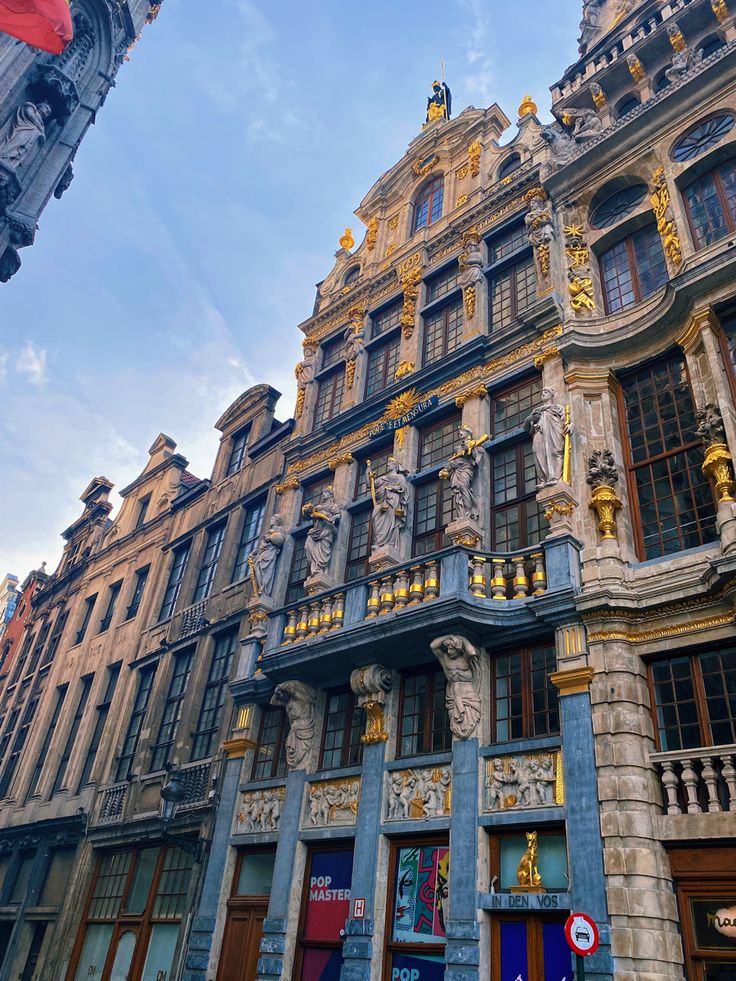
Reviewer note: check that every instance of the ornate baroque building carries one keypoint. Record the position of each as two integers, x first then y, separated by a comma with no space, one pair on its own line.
47,103
450,654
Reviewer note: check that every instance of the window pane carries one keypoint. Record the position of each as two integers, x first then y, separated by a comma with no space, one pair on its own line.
438,443
94,951
618,281
443,283
110,885
676,707
719,681
382,364
161,948
443,331
386,319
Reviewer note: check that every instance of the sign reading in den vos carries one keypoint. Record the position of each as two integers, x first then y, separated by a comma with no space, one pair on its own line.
526,901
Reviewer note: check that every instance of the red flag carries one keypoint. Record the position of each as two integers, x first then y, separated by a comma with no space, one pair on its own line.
45,24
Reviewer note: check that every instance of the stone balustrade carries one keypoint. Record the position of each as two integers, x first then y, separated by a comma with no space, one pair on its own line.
508,577
698,781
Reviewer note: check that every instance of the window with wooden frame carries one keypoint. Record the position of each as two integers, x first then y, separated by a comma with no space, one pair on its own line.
269,759
204,739
433,508
710,202
172,709
89,605
424,725
359,544
428,203
103,710
516,517
324,910
141,578
55,639
71,739
512,279
133,914
443,331
632,269
344,724
176,573
389,318
21,736
238,446
47,741
442,283
417,911
135,723
694,699
112,599
209,563
329,396
525,703
672,500
299,570
249,535
383,360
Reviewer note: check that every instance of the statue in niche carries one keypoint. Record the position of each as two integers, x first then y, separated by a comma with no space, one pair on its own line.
460,471
586,124
390,494
263,562
321,537
548,429
439,103
298,701
682,62
538,220
27,130
461,664
304,374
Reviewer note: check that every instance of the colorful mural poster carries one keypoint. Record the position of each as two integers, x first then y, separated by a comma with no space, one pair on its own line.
328,898
422,883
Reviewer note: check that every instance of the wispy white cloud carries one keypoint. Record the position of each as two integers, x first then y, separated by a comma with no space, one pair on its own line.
481,77
3,366
31,362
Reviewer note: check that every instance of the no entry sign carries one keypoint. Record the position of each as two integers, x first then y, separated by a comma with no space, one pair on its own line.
582,934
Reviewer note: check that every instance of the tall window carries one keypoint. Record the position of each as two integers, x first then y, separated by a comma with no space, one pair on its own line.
443,331
695,700
383,361
269,760
633,269
674,503
433,500
428,205
386,320
524,700
48,740
238,446
171,714
112,598
423,721
516,518
135,724
298,572
89,605
443,283
72,736
512,281
21,736
341,745
176,574
40,643
141,577
252,524
210,714
55,640
103,710
208,568
711,204
329,396
143,505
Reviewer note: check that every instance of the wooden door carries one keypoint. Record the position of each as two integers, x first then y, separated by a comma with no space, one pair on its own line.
242,940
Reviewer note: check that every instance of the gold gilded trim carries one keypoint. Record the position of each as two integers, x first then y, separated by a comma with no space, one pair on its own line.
236,748
575,681
675,630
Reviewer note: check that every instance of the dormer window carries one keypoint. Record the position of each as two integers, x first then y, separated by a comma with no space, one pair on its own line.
428,203
351,276
237,452
142,511
509,165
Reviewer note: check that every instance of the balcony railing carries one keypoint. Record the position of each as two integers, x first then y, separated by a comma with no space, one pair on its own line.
504,577
113,801
196,780
698,781
193,619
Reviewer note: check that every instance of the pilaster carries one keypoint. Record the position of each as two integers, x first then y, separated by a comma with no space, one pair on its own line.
462,950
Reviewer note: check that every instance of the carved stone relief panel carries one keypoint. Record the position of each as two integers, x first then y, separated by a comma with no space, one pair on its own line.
533,780
419,793
260,810
332,802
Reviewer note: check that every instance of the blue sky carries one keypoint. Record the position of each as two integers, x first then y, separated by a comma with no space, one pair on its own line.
208,200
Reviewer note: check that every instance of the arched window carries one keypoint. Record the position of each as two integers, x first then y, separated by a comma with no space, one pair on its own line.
428,204
632,269
628,103
710,202
710,44
616,205
702,137
509,165
351,275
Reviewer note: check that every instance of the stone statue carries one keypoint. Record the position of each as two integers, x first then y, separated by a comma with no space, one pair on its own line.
562,147
461,470
325,517
263,562
26,131
353,342
548,429
260,810
304,374
682,62
439,104
471,261
298,701
522,781
538,220
390,494
418,793
590,23
460,662
586,124
710,425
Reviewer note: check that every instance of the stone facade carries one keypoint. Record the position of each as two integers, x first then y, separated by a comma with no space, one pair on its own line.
472,609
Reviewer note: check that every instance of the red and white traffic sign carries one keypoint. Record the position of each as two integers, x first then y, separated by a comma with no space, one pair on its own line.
582,934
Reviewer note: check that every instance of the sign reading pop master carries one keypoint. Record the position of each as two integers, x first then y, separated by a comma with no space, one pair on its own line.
328,899
390,425
417,967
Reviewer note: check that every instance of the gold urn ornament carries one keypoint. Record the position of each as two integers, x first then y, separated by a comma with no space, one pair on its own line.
603,477
718,463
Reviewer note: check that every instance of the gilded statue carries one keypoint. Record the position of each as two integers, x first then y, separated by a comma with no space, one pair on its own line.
26,131
439,104
527,873
460,471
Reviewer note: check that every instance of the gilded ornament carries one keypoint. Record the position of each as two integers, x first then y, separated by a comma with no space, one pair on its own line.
528,780
410,278
390,249
375,731
405,368
677,39
334,462
564,508
527,874
528,107
393,223
720,10
474,158
462,172
636,69
469,298
598,95
299,408
347,241
718,466
603,476
422,167
466,540
660,201
461,200
333,802
372,234
291,483
550,354
477,392
580,282
439,104
676,630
